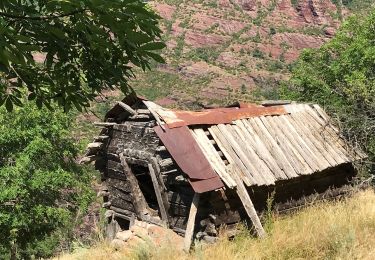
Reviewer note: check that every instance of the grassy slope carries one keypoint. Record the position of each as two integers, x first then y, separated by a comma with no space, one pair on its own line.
340,230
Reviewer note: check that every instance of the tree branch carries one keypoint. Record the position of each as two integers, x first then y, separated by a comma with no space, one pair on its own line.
38,18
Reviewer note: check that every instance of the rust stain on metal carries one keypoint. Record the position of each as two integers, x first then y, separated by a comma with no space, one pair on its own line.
219,115
190,158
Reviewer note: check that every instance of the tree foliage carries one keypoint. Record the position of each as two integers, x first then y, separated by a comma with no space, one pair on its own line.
68,52
41,186
341,76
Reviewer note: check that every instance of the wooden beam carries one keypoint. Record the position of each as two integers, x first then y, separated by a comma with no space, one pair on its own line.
127,108
191,222
89,159
163,212
248,205
139,201
106,124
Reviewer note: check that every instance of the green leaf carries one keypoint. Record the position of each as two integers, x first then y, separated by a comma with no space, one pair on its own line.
153,46
156,57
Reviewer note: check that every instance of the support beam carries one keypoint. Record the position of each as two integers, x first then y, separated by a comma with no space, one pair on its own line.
139,201
127,108
191,223
163,212
249,206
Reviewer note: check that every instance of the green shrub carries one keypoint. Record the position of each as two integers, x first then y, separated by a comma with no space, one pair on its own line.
341,77
41,186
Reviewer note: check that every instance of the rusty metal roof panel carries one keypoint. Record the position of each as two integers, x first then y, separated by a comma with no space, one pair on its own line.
174,118
189,157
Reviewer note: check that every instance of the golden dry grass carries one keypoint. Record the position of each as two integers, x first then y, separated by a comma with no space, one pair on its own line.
331,230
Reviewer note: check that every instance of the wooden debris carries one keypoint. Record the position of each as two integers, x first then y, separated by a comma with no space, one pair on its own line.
191,222
139,201
127,108
89,159
249,207
95,145
157,189
105,124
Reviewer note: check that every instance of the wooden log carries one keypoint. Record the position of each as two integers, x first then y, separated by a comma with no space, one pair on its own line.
105,124
166,162
89,159
248,205
161,149
136,117
101,138
140,204
143,111
127,108
95,146
191,223
163,212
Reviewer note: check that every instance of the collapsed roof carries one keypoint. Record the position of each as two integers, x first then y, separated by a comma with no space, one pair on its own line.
259,144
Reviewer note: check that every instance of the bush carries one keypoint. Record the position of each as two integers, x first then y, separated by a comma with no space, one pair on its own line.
41,186
341,77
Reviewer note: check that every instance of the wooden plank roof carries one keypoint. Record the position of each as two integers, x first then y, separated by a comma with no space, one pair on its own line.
266,149
267,146
260,144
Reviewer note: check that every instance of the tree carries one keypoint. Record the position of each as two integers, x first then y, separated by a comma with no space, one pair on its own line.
341,76
41,187
68,52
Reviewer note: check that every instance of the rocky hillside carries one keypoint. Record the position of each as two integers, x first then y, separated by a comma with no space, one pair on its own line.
218,51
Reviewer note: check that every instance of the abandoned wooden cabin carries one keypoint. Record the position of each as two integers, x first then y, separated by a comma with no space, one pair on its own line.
199,170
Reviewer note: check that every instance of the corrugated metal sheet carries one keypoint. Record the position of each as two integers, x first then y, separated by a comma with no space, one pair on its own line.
266,149
190,158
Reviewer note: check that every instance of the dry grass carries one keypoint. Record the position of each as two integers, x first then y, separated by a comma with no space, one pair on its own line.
331,230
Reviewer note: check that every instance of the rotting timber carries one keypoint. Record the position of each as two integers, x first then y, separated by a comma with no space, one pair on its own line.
142,180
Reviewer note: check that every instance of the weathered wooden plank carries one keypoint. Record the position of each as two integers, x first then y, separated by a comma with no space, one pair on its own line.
105,124
252,156
118,184
299,142
288,148
296,145
90,158
305,140
248,205
163,212
127,108
140,204
212,155
252,166
152,107
226,148
303,126
191,223
329,134
260,148
286,164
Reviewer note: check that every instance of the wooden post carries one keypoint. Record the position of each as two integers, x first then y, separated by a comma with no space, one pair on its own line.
157,189
139,201
249,207
191,223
